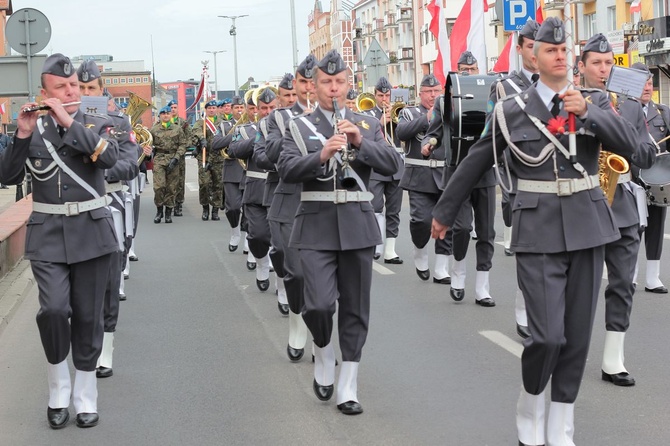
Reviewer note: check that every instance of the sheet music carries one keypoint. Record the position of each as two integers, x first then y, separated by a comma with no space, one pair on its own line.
94,104
627,81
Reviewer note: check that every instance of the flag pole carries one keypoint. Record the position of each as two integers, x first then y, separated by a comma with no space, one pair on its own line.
204,115
570,59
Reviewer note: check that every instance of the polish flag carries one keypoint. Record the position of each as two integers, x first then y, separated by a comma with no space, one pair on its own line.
539,13
438,27
3,110
635,6
507,61
468,34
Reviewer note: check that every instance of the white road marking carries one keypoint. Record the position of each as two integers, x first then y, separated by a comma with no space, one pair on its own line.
384,271
193,187
503,341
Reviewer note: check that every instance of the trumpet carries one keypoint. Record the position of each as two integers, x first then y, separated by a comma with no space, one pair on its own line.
347,179
46,107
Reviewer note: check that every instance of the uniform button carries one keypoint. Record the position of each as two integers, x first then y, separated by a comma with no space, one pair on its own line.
561,168
39,153
525,136
366,157
74,142
65,187
63,153
593,125
32,220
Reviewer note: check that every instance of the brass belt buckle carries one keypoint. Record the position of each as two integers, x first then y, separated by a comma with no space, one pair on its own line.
71,208
564,187
340,196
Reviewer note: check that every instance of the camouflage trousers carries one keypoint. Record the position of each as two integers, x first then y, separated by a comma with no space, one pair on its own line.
210,182
165,184
182,180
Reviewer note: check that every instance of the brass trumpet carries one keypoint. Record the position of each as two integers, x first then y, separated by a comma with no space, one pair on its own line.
365,102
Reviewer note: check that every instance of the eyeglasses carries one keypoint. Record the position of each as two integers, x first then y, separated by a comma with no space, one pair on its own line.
468,69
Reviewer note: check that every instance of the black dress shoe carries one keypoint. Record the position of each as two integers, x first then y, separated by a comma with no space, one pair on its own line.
294,354
232,248
87,419
524,444
103,372
133,258
619,379
485,302
263,285
658,290
57,418
394,261
283,308
457,294
522,331
509,252
251,266
122,296
350,408
376,256
445,281
423,275
324,393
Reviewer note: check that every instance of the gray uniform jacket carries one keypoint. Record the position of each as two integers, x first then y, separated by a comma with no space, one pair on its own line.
261,161
59,238
232,170
378,113
412,125
546,222
324,225
439,129
513,83
242,148
624,205
126,168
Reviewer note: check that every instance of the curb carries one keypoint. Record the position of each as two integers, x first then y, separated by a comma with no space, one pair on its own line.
14,288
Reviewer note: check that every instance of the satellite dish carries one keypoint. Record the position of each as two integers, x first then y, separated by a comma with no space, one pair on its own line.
28,31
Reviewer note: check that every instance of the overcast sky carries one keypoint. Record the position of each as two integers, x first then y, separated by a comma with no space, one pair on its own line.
182,30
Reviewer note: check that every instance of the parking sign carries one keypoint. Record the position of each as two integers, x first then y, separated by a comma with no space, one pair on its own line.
516,13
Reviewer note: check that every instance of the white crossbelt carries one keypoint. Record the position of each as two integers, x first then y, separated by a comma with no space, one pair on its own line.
338,196
433,164
261,175
115,187
72,207
624,178
399,150
561,187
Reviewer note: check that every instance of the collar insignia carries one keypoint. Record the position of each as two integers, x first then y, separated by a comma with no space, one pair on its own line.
364,124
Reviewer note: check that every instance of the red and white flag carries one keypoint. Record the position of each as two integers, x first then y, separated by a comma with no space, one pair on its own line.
539,13
636,6
438,27
467,34
202,89
507,60
3,110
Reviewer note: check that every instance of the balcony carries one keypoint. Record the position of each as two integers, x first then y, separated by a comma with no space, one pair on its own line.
393,58
379,25
405,15
406,53
367,29
390,21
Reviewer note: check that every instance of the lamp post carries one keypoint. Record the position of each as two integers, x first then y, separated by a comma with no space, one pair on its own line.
233,32
216,74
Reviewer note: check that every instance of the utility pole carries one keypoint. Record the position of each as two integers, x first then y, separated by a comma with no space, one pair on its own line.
233,32
216,73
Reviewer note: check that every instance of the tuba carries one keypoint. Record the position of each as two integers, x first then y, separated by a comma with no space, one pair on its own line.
136,108
365,102
610,167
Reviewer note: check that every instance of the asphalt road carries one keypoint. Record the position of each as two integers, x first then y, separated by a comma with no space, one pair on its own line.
200,359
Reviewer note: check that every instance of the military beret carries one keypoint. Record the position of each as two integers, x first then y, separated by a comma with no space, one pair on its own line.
171,103
351,95
237,100
306,67
642,67
266,96
58,65
429,80
598,44
165,109
529,29
383,85
467,59
227,101
212,103
332,63
219,103
287,82
88,71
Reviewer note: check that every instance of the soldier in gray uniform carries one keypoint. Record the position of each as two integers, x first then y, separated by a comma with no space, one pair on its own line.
284,205
287,98
482,203
177,120
620,255
515,82
70,234
658,120
386,188
559,263
242,148
233,175
422,180
125,169
351,100
320,150
169,146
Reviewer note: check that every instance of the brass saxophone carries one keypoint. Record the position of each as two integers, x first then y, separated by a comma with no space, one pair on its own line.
610,167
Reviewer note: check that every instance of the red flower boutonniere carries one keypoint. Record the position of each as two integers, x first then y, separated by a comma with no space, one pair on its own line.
557,125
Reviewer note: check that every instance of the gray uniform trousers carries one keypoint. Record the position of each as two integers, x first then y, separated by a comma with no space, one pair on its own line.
561,293
111,303
654,232
343,277
387,193
291,266
421,206
621,257
71,309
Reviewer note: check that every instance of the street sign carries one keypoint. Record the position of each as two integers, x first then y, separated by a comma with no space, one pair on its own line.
621,60
28,31
14,75
516,13
616,40
376,55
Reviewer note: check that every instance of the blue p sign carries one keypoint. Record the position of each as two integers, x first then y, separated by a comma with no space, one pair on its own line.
516,13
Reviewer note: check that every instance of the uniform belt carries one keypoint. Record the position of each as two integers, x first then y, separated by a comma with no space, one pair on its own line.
624,178
72,207
433,164
337,196
561,187
261,175
115,187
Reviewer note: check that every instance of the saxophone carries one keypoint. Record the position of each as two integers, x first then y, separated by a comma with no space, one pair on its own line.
610,167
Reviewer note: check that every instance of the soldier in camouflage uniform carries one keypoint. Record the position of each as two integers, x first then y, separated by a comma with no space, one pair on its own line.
210,176
169,146
176,120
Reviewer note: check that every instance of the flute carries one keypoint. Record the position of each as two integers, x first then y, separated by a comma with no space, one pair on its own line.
46,107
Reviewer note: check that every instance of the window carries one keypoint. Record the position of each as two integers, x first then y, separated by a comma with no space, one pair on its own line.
611,18
659,8
130,80
108,81
145,79
138,80
115,80
590,27
123,80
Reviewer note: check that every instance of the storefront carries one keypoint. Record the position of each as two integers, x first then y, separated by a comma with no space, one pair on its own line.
654,49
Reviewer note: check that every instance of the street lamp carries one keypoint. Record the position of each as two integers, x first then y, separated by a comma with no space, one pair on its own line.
216,75
233,32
